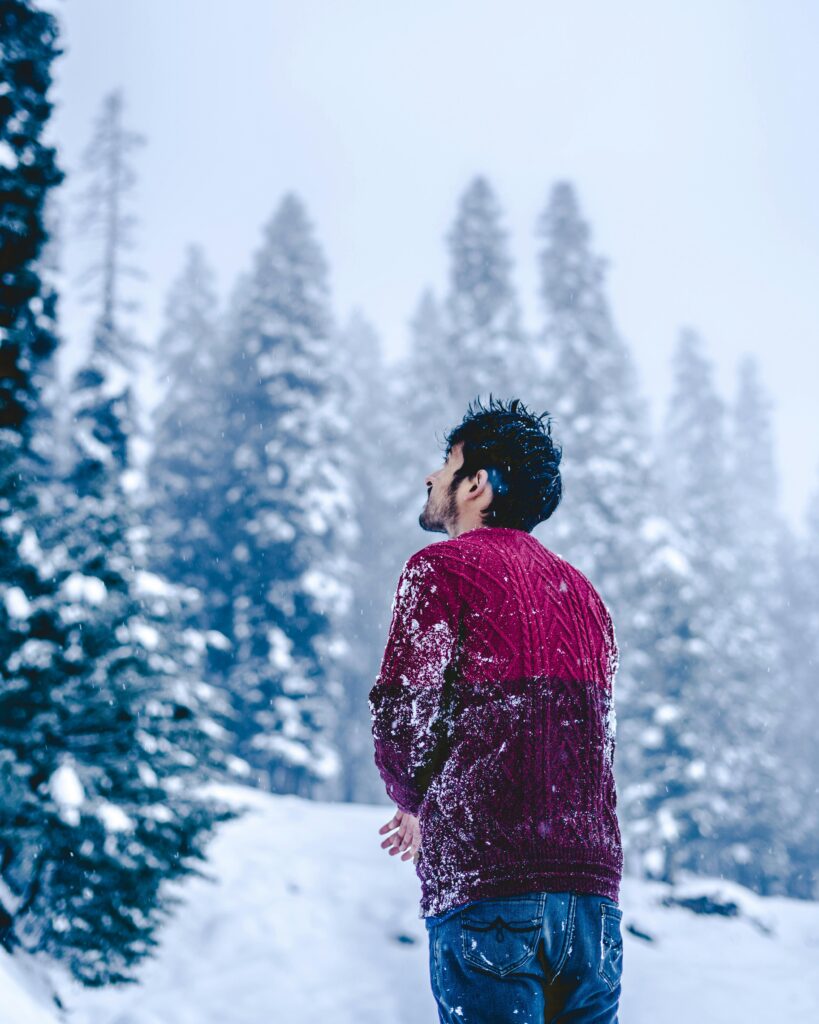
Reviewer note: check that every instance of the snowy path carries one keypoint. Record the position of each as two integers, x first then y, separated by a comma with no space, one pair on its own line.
311,920
301,927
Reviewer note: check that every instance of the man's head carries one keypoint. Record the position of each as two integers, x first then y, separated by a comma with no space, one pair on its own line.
500,469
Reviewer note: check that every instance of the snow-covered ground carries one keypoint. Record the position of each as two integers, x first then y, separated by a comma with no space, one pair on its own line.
308,919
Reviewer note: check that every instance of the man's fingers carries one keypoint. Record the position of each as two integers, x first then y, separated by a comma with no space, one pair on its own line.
390,841
396,837
415,841
407,838
412,852
394,822
400,837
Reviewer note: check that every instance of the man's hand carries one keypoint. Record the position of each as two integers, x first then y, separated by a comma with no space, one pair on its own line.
407,840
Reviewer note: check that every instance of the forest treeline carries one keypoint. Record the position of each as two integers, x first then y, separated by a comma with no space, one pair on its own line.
216,609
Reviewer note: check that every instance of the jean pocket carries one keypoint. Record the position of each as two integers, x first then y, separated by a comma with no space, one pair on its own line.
499,935
611,944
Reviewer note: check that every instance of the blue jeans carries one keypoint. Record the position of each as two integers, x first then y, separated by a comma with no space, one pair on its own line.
530,959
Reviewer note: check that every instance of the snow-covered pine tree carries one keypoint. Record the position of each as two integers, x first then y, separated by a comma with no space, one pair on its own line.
183,504
113,731
610,527
756,851
28,173
798,723
471,345
600,416
485,342
215,606
372,424
106,221
29,617
694,456
658,769
104,726
285,474
692,460
720,712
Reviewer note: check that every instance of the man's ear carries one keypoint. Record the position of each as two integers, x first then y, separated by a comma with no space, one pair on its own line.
481,479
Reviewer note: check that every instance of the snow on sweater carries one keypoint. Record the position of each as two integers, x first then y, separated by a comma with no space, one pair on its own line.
493,720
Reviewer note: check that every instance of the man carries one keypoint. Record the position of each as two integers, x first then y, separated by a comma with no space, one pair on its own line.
493,722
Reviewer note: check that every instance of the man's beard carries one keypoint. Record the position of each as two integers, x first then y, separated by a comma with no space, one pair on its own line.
436,520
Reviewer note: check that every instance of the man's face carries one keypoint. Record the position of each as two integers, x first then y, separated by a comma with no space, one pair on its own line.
440,514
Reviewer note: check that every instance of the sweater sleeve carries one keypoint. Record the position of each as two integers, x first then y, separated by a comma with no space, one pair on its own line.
406,703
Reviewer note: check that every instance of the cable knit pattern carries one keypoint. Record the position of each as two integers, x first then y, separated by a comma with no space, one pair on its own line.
493,720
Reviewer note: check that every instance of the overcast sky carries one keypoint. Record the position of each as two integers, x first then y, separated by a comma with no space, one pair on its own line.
688,128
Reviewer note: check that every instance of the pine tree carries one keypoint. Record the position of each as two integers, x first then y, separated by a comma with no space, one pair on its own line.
134,728
660,773
484,339
693,463
756,848
29,618
610,526
107,221
797,725
101,401
724,827
601,418
183,511
695,459
102,726
28,171
284,473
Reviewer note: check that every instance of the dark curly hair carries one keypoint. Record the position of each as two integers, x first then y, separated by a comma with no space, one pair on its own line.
517,451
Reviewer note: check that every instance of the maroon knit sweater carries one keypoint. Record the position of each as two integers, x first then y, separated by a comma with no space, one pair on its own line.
493,720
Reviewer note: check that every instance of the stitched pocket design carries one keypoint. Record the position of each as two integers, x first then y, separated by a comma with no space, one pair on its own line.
611,944
500,935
